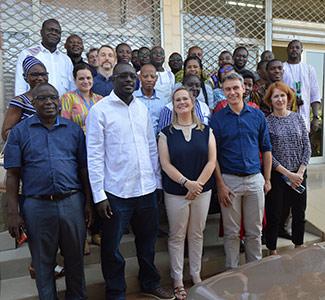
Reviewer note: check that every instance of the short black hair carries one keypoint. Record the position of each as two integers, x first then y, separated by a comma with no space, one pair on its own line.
50,21
122,44
80,66
240,48
247,74
295,41
271,62
260,63
43,84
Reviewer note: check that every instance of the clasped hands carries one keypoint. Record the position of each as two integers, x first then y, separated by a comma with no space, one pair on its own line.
195,188
295,178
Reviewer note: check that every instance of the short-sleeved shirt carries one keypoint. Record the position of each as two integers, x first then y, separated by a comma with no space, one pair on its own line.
49,159
102,85
240,139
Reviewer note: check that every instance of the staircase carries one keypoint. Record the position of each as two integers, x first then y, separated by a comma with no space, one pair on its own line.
15,283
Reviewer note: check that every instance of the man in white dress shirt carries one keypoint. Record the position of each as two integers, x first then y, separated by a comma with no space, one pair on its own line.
302,78
124,174
58,65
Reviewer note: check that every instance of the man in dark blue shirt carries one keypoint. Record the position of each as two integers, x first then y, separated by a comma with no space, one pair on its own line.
241,134
47,153
103,84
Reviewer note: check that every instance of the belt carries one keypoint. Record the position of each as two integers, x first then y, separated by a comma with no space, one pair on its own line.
241,174
55,197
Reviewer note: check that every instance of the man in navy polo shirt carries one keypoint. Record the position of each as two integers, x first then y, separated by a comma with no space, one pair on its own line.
48,154
241,134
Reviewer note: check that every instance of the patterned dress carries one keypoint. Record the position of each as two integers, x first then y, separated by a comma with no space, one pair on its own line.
76,108
25,104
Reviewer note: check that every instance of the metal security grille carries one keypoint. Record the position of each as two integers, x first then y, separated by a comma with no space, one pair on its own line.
308,11
136,22
217,25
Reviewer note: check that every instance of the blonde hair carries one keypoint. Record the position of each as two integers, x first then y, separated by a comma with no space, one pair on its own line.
195,119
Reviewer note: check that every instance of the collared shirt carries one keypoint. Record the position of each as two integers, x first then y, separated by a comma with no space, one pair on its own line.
49,159
122,149
58,65
202,111
165,83
239,139
154,104
102,86
306,75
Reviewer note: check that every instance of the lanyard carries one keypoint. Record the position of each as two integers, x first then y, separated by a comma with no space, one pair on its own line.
88,105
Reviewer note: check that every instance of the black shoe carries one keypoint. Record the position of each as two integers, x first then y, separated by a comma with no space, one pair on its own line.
263,239
285,234
159,293
242,246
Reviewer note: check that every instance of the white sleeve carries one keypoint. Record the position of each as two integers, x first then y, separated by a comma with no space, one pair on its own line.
153,152
72,85
21,86
95,138
314,89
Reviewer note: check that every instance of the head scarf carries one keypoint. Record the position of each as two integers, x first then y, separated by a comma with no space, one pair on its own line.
29,62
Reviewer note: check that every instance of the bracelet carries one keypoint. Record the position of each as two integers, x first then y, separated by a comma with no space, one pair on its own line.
182,181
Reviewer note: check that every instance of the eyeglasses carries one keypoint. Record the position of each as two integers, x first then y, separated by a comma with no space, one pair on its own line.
126,75
36,74
49,97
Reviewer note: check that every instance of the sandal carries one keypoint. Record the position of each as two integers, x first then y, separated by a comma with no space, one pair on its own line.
180,293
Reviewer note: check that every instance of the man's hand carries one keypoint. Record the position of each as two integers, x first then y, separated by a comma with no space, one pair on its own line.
88,214
267,186
104,209
15,221
224,195
315,124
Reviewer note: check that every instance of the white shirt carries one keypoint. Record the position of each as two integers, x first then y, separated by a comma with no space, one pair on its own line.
165,83
309,86
58,65
121,148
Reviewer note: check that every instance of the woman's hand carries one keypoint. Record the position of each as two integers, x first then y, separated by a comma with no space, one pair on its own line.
190,196
295,179
194,187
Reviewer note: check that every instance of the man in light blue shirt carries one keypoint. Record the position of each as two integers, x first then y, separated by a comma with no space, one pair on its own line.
153,100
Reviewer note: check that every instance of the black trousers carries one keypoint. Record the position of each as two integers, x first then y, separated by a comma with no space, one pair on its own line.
281,196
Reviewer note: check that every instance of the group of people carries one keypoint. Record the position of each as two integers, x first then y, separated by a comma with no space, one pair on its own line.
94,142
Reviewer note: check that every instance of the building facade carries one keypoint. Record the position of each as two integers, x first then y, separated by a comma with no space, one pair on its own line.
215,25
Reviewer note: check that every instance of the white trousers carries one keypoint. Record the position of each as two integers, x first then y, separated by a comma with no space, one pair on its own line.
248,203
186,217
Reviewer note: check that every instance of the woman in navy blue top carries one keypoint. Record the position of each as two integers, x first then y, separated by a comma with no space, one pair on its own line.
187,152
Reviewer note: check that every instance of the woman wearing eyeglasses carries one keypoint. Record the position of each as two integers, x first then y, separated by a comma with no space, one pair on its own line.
20,107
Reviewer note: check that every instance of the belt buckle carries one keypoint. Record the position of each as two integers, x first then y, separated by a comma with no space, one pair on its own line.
51,197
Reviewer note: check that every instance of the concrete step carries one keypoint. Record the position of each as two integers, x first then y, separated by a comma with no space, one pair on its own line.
15,262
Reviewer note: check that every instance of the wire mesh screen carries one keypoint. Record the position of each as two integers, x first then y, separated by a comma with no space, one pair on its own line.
217,25
136,22
308,11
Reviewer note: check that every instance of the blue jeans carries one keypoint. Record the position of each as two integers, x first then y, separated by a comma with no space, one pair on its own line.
142,213
54,224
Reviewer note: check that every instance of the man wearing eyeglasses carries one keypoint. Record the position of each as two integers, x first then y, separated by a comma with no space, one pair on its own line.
58,64
124,174
56,192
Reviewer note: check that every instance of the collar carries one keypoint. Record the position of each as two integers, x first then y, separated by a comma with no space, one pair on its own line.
35,120
102,77
43,49
246,108
139,93
113,97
